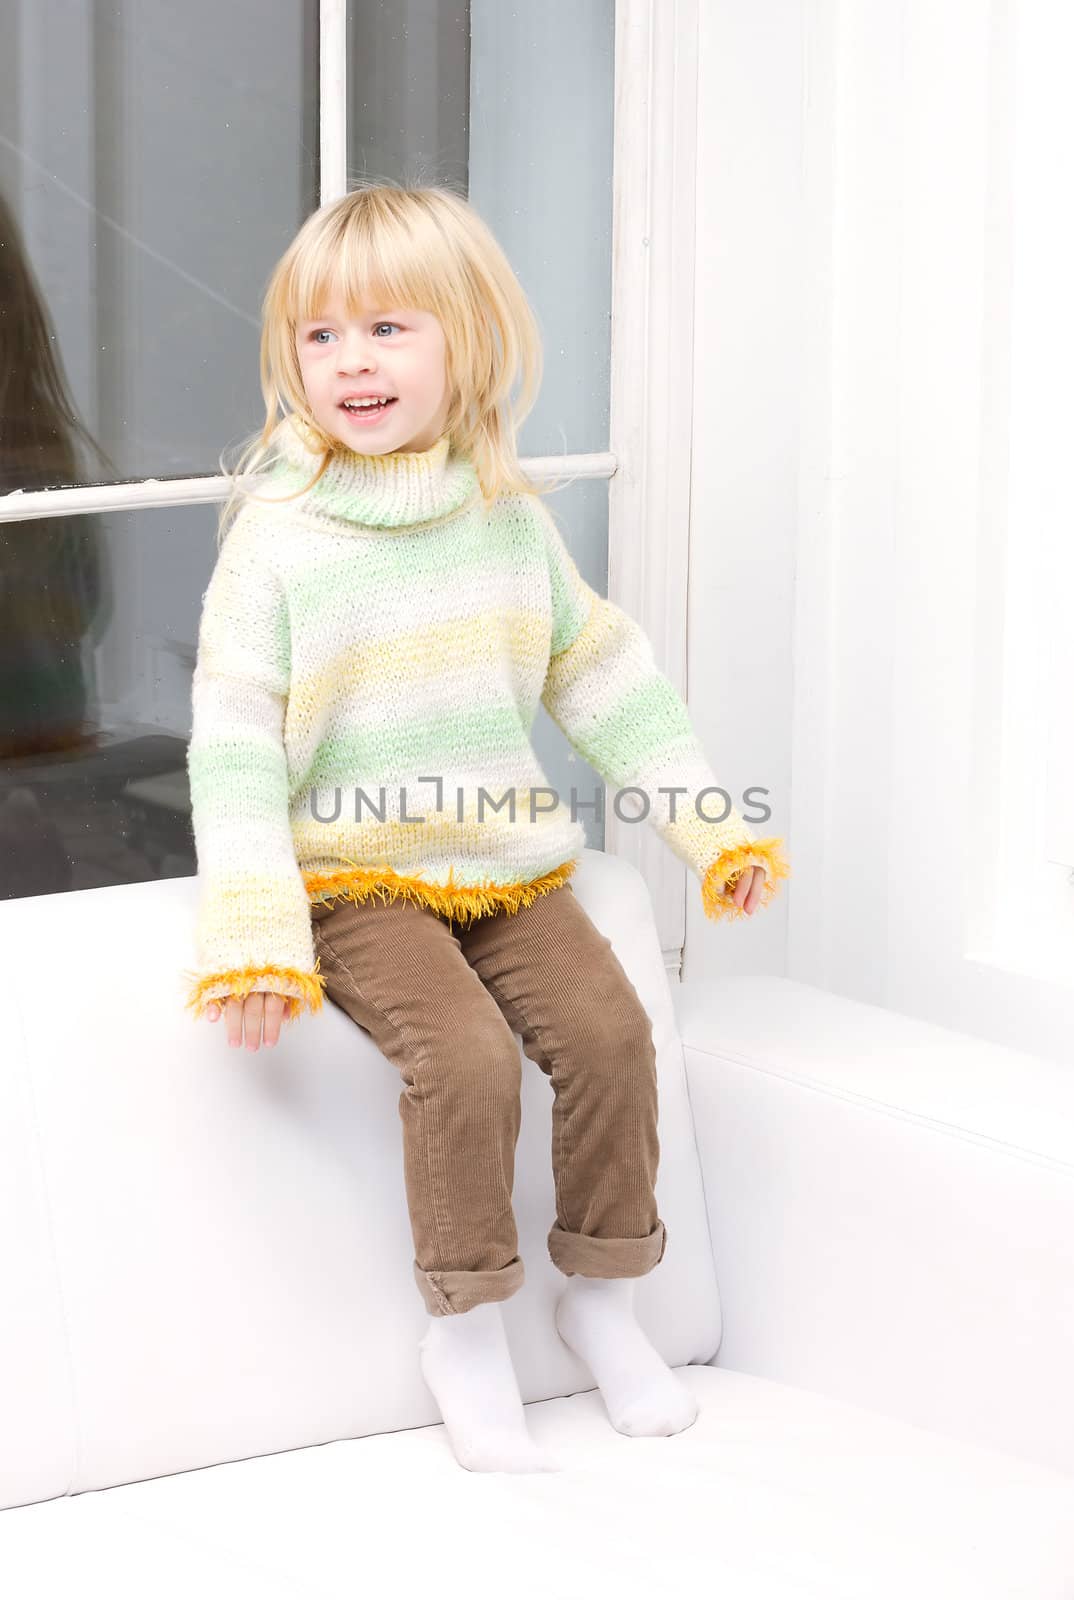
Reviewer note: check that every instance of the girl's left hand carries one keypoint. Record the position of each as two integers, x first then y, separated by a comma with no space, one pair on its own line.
748,889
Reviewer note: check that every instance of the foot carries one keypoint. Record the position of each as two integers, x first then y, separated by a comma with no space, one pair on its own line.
595,1319
466,1363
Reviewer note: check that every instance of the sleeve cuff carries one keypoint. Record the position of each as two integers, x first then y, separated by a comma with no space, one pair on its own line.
304,990
717,901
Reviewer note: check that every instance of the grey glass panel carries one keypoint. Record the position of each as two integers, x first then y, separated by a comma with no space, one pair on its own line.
98,628
542,81
147,185
511,105
155,160
408,91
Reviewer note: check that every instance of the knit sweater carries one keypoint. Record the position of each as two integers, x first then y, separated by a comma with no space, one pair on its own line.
371,657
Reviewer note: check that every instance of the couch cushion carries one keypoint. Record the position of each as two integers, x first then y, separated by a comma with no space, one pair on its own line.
227,1232
891,1205
772,1494
36,1413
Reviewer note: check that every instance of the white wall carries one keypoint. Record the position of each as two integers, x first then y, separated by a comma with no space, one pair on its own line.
745,504
877,185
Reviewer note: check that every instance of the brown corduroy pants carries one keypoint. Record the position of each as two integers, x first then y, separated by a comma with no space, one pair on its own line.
440,1001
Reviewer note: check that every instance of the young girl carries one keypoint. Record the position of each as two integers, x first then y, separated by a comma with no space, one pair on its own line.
391,603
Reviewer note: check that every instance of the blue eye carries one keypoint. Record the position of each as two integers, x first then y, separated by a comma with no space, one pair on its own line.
316,335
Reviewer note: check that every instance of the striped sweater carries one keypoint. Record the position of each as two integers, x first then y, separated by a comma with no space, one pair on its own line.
371,657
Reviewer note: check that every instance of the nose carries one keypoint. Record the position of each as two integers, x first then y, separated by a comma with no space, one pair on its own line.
354,352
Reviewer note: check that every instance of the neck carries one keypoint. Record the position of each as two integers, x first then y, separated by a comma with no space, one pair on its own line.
399,491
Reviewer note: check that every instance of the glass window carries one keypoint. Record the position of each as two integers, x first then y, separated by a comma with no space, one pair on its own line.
513,106
154,162
540,173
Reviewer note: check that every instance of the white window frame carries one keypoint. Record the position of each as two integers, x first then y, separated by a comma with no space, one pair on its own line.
648,460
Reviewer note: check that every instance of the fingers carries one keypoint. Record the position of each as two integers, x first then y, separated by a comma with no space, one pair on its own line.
257,1012
748,889
233,1013
742,887
275,1006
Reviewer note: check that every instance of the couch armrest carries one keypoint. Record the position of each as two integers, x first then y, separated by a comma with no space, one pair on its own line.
891,1206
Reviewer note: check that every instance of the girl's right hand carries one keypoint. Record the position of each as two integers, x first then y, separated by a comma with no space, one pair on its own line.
249,1015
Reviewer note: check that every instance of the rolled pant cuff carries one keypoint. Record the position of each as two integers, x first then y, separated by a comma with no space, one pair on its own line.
606,1258
447,1293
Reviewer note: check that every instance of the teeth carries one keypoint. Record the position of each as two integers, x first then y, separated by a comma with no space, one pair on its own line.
363,405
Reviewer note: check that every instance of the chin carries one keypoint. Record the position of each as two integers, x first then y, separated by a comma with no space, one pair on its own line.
356,441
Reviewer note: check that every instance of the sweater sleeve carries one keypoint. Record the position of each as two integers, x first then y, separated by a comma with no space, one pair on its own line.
253,931
604,690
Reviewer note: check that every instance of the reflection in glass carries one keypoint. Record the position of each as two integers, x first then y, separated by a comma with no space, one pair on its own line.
53,574
104,799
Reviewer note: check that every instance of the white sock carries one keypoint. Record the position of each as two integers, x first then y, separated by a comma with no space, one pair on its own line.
595,1319
466,1363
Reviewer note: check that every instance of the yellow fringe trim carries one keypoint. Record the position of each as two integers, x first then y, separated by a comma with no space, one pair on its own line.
727,868
458,902
464,903
241,981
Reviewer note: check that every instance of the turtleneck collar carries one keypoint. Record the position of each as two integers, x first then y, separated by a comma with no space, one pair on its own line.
394,493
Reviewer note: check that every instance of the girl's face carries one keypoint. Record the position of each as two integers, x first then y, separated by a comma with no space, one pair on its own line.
390,351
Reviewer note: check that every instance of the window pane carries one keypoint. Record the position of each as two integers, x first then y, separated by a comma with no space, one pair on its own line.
408,91
155,160
100,619
542,84
512,106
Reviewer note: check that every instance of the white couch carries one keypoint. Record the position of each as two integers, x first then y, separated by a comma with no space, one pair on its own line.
209,1381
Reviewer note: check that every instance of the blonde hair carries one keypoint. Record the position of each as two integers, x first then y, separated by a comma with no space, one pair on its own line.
406,245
